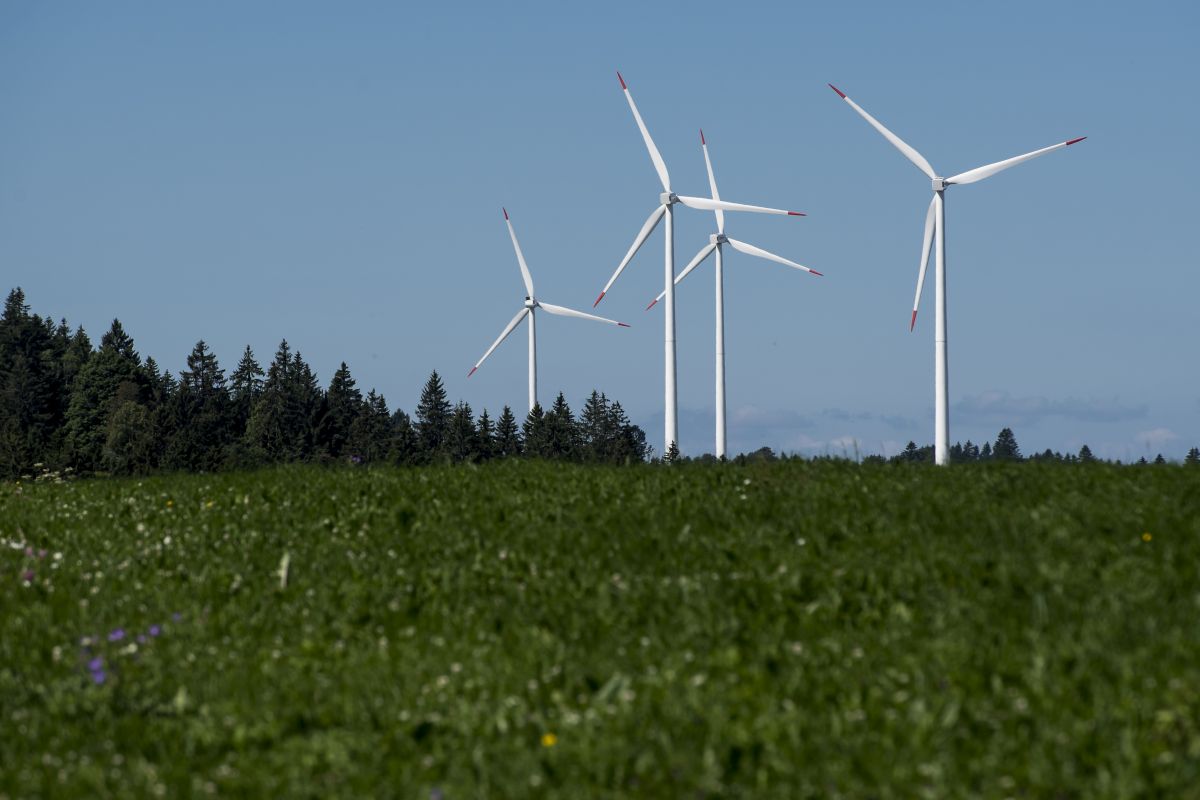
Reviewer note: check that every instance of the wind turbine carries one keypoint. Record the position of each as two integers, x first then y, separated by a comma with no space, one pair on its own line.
530,306
665,210
716,243
935,230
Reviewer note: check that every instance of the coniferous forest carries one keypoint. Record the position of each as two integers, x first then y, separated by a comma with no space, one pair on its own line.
69,406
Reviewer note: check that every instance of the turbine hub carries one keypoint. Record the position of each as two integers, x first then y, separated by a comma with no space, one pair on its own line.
530,302
668,198
939,184
718,238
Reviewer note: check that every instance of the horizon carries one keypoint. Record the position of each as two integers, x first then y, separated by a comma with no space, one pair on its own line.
242,177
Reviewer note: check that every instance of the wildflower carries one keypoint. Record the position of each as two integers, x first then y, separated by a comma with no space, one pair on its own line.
98,677
176,617
1146,536
27,576
170,503
549,740
116,635
96,664
155,630
209,504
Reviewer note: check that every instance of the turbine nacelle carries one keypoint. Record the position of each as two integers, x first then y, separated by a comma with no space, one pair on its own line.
718,238
939,184
530,302
668,198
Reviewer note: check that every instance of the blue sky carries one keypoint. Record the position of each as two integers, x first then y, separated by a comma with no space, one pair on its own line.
242,172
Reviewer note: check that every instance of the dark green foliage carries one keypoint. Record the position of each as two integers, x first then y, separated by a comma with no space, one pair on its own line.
343,405
1006,447
562,436
282,424
508,436
1085,455
406,444
793,629
1193,457
485,437
112,376
202,415
245,384
371,433
535,438
460,444
433,417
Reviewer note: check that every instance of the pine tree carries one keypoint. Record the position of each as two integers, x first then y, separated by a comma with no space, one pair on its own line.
370,435
631,446
406,445
508,437
1006,447
460,434
433,417
201,415
245,384
1085,455
113,375
597,439
986,453
1193,457
485,437
534,434
1159,459
343,405
672,455
561,434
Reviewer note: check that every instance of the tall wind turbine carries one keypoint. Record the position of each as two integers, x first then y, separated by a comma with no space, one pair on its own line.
935,230
530,306
716,243
667,201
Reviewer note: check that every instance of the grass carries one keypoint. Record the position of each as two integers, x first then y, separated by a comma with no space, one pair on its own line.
522,630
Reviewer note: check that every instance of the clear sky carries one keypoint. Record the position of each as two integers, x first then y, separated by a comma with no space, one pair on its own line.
334,173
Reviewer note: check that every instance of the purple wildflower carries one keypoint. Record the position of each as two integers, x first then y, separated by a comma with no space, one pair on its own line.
141,638
27,576
98,677
155,630
41,553
29,551
176,617
117,635
96,664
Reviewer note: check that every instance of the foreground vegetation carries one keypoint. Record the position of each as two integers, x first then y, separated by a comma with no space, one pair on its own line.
792,629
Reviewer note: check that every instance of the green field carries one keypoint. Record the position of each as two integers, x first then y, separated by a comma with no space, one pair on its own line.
798,629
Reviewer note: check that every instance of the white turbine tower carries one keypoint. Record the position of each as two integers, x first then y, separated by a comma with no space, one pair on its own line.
935,231
667,201
531,305
716,243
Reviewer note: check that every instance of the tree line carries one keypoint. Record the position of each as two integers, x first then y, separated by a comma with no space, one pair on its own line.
65,405
1005,448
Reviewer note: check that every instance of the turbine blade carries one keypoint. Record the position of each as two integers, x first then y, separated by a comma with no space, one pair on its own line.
520,256
712,185
987,171
751,250
503,335
695,262
647,229
904,147
707,204
660,166
927,242
570,312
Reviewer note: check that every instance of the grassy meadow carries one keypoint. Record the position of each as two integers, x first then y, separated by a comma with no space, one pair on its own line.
791,630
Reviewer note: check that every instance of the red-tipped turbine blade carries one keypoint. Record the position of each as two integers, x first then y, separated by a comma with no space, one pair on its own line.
818,274
653,303
797,214
598,299
913,324
472,372
505,210
1076,141
622,325
841,94
622,80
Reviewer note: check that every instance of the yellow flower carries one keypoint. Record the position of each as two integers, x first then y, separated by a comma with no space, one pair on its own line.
209,504
1146,536
549,740
170,503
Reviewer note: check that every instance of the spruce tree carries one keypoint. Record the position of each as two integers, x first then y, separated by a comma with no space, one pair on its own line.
406,445
597,439
508,436
1006,448
1193,457
1085,455
561,433
245,385
343,405
1159,459
460,435
433,417
485,437
986,453
370,435
534,435
111,376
